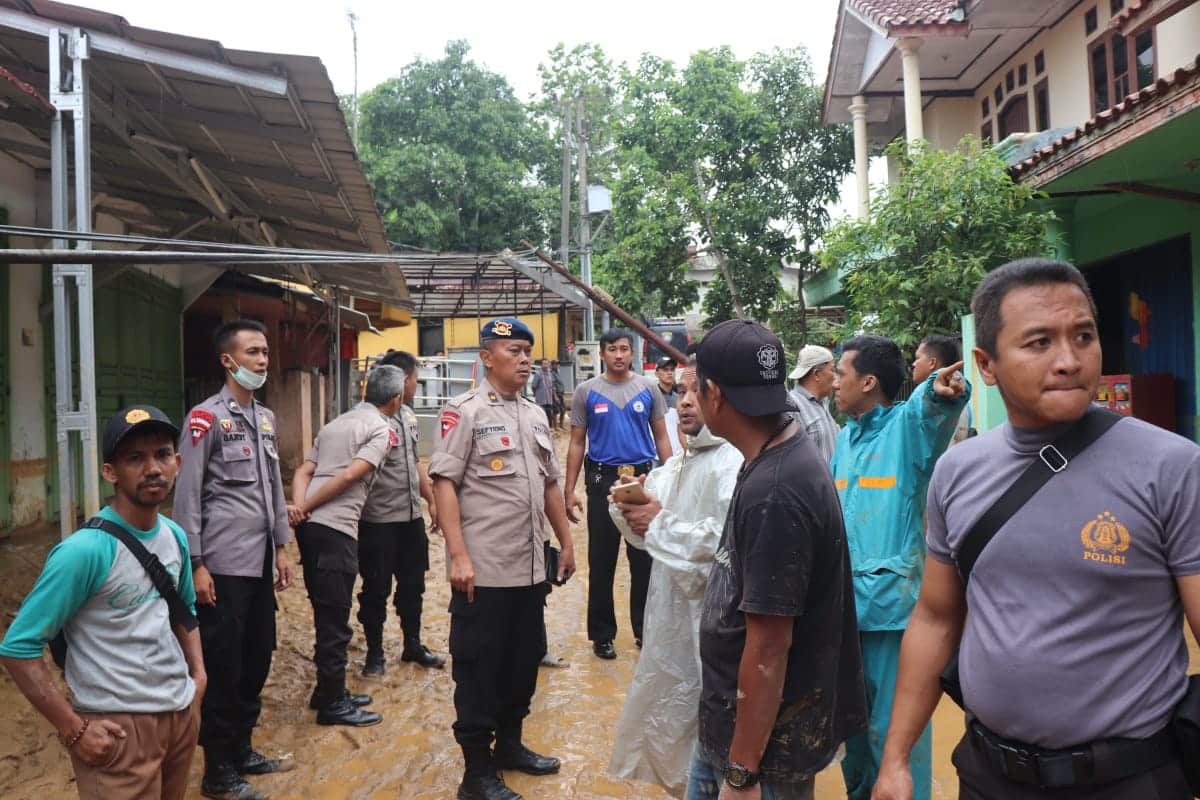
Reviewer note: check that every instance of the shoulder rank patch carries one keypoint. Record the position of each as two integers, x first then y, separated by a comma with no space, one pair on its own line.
200,423
449,419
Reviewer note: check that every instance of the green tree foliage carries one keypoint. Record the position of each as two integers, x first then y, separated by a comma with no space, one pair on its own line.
448,149
950,217
731,153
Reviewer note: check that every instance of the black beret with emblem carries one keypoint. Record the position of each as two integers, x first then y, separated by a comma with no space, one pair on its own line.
503,328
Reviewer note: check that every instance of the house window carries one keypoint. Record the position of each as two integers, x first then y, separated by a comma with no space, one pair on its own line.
1120,67
985,108
1090,23
999,95
1041,104
1022,75
1015,117
1010,82
1039,63
1115,6
985,133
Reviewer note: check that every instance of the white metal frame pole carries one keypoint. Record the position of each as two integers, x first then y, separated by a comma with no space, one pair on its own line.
69,93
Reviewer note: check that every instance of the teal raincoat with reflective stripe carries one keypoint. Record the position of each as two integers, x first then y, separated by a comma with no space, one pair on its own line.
882,465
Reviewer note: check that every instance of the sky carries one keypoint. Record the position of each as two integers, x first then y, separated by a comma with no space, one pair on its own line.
509,38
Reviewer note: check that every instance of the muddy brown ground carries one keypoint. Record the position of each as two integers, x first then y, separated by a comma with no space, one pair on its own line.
412,754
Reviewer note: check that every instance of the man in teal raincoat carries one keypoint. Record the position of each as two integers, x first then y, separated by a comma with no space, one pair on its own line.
882,465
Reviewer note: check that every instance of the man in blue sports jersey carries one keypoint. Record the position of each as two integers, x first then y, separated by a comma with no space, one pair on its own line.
618,417
131,723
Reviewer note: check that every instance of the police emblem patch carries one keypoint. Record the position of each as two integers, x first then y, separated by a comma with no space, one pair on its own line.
497,464
137,415
227,425
200,423
1105,540
449,419
502,328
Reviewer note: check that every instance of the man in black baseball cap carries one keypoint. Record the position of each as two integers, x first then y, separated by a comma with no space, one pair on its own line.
134,418
780,587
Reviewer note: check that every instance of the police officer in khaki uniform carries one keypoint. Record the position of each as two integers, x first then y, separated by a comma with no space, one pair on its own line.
328,493
229,499
391,536
496,480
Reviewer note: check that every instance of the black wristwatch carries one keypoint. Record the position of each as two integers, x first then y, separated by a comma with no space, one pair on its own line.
738,777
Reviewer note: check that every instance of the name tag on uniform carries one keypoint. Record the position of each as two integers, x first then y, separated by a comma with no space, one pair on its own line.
600,408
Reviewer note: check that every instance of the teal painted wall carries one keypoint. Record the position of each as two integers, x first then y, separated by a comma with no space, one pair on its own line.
987,407
1105,227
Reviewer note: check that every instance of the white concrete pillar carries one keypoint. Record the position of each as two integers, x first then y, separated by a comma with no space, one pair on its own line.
912,87
858,111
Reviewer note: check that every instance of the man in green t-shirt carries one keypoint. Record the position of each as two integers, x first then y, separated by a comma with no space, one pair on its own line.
136,680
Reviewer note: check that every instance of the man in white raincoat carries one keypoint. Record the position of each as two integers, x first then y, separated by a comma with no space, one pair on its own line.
680,527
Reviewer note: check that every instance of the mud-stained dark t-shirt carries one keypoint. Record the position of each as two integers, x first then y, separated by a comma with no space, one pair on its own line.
783,552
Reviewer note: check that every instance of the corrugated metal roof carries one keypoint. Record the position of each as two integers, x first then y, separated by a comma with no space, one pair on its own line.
464,284
289,161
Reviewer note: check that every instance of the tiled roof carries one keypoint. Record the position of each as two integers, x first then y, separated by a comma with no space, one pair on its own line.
1181,78
890,14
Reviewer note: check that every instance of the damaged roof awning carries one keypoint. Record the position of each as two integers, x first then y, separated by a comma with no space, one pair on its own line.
192,139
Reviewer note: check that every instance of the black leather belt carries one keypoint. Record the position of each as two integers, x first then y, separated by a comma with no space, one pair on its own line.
606,474
1091,763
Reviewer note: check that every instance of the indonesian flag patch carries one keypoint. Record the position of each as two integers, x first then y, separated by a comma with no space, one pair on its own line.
600,408
200,423
449,419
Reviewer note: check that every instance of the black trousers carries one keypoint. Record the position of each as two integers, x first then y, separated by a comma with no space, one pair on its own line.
330,562
387,550
604,544
550,416
238,639
978,781
496,643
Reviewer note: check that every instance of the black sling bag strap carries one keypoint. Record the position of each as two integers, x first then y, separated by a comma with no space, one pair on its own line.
162,580
1052,459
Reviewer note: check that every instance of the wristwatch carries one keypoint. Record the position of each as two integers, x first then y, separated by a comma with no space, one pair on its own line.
739,777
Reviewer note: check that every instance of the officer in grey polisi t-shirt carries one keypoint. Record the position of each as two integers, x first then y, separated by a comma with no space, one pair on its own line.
1072,659
328,493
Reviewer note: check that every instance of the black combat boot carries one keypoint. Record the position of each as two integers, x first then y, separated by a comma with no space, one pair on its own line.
222,781
415,651
323,695
481,781
511,754
375,664
346,711
251,762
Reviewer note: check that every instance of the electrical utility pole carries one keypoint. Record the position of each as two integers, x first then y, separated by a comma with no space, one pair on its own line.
350,15
585,233
564,240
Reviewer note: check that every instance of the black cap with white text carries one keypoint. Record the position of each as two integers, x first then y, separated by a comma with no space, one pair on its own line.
746,360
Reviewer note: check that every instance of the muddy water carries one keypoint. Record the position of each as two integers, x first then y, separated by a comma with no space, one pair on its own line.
412,754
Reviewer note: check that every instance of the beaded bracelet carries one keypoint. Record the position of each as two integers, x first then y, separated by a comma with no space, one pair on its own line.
78,735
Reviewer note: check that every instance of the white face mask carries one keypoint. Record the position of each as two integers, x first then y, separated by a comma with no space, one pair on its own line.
248,380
